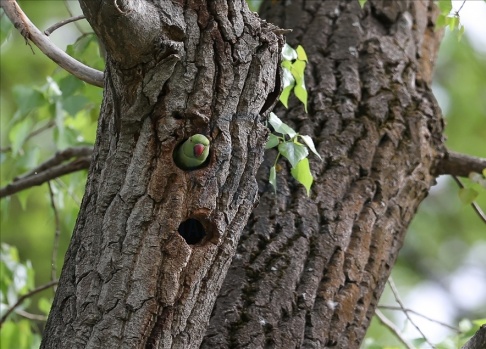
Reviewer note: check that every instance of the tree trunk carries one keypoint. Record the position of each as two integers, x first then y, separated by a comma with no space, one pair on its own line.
152,242
309,271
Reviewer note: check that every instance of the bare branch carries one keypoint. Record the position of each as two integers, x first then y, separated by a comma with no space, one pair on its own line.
58,25
47,175
394,290
31,316
391,307
57,159
24,297
31,32
391,326
474,205
461,165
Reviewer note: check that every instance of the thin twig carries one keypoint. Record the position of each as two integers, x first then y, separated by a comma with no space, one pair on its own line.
30,316
460,8
71,14
394,290
57,233
58,25
474,205
30,32
391,326
391,307
69,190
24,297
34,133
47,175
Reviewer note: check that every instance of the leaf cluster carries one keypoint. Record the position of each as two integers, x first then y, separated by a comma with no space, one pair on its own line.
16,279
291,145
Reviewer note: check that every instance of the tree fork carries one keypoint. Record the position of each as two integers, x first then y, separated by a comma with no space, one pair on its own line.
173,69
309,272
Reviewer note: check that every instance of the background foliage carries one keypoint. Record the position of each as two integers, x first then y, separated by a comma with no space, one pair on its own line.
440,266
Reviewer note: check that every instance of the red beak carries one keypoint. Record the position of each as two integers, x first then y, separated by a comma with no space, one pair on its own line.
198,150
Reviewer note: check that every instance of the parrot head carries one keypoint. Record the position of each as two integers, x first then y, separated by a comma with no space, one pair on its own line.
193,152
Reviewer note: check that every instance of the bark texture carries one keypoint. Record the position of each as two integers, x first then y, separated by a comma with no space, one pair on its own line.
174,68
309,272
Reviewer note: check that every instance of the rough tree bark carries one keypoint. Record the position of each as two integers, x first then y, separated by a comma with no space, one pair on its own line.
309,271
174,68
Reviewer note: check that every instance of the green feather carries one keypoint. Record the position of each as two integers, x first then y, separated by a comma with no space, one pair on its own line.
186,158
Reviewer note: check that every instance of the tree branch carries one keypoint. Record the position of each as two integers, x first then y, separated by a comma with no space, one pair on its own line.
478,341
24,297
50,169
458,164
34,317
30,32
57,159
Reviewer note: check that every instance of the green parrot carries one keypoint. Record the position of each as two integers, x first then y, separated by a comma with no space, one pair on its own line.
193,152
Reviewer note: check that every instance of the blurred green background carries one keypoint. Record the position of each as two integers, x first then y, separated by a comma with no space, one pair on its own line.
441,271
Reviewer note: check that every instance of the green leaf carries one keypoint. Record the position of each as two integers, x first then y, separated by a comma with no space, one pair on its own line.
293,152
301,55
300,91
297,70
302,174
28,98
460,33
19,133
445,6
272,142
288,53
284,96
479,322
281,127
69,85
362,3
74,104
418,341
453,22
441,21
467,195
5,27
273,178
310,143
